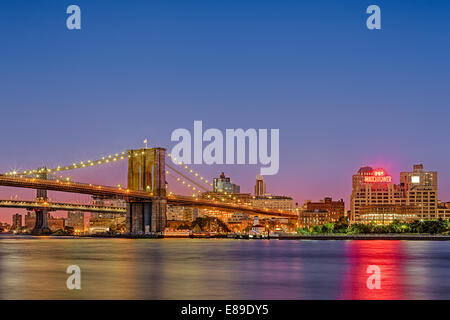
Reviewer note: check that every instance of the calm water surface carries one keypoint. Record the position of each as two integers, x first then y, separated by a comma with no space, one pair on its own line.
34,268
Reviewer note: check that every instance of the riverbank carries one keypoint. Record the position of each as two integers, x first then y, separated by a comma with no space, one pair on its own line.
412,237
420,237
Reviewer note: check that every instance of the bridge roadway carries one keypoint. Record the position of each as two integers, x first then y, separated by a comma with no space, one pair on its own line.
132,195
54,206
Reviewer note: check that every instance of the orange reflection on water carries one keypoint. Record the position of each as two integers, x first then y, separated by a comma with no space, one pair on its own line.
388,255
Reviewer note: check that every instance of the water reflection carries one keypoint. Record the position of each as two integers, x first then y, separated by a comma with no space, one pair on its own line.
34,268
389,256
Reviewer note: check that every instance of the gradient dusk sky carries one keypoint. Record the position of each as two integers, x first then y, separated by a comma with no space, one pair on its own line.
342,96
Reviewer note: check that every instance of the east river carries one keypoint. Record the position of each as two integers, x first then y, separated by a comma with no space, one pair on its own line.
35,268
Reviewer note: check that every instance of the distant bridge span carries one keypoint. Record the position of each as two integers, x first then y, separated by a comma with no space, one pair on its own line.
54,206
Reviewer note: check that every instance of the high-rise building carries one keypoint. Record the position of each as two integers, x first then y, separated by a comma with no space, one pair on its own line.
30,220
376,198
420,190
75,219
16,222
372,187
260,186
223,184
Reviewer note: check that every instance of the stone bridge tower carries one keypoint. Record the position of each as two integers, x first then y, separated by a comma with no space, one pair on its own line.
41,224
147,172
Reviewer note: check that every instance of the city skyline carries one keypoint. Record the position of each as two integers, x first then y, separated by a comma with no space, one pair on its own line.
6,213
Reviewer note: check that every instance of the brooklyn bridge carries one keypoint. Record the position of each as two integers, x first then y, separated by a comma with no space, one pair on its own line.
146,194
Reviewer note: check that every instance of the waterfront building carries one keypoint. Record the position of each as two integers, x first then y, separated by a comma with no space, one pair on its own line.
308,218
238,217
257,227
101,223
420,189
56,223
373,187
180,213
273,202
373,193
4,227
387,213
336,209
443,210
30,220
175,213
223,184
107,202
16,222
75,220
260,186
238,222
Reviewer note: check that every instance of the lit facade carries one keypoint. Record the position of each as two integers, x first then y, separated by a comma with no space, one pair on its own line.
374,193
420,189
373,187
224,184
336,209
443,210
273,202
75,219
179,213
260,186
387,213
30,220
16,222
55,223
308,218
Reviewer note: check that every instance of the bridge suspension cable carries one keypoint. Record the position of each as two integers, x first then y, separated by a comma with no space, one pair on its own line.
187,178
75,165
185,184
192,172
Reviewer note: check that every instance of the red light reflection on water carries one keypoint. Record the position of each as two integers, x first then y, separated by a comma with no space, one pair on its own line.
388,255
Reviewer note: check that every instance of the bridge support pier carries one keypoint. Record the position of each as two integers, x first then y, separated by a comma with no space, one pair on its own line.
146,217
159,217
41,225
